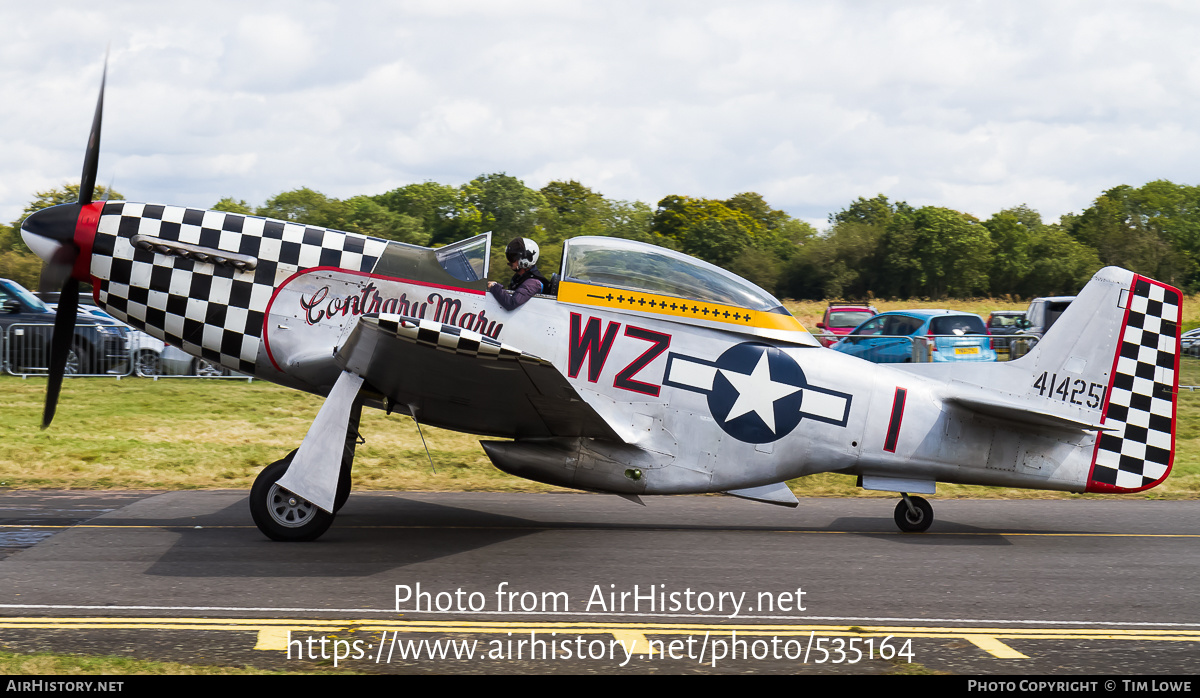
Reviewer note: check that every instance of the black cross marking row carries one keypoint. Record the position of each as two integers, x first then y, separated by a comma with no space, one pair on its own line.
675,307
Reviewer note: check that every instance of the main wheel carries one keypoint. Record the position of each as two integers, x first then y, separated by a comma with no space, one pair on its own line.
910,523
281,515
343,486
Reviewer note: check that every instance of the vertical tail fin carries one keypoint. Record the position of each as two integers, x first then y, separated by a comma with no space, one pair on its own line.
1117,349
1141,402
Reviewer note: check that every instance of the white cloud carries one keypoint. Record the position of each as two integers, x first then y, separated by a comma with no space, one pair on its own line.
971,105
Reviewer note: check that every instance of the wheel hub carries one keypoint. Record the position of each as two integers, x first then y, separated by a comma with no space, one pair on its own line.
287,509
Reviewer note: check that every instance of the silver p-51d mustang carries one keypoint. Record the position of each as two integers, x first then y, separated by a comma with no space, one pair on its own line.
642,371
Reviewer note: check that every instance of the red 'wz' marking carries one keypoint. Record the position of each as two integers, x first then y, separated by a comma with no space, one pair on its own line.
586,343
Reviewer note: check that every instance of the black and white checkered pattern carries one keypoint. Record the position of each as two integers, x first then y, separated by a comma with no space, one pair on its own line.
1141,400
449,338
203,308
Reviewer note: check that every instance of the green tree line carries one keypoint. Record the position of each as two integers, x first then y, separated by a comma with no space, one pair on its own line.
872,248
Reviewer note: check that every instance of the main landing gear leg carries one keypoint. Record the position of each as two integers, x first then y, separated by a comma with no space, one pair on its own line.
352,440
283,515
913,514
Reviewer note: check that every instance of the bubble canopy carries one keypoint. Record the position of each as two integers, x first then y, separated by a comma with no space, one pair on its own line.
619,263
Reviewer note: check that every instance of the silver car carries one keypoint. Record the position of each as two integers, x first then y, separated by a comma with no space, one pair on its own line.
1189,343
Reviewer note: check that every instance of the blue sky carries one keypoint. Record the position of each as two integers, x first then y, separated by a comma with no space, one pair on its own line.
977,106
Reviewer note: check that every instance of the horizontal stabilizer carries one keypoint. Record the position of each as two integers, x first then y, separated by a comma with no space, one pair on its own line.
1024,414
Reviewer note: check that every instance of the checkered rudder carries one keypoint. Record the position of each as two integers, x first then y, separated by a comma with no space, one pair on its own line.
1136,453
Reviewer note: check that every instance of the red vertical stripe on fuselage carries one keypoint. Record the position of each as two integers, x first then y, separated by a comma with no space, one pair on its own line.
893,431
85,238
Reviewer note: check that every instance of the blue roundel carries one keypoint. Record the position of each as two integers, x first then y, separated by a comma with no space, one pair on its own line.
757,393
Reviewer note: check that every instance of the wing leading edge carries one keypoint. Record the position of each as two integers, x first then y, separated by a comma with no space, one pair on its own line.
458,379
444,376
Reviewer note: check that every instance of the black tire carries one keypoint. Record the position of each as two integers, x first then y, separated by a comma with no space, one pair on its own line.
77,361
147,363
283,516
914,524
343,489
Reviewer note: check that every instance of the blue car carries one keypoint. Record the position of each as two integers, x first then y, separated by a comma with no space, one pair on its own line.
901,336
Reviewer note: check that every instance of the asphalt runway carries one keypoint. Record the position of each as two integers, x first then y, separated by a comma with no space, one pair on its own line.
587,583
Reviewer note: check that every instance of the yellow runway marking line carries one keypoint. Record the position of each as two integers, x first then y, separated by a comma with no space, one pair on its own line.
272,639
637,642
994,647
273,633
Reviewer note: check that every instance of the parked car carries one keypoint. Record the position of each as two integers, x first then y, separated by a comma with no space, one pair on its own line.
154,357
1002,324
28,323
901,336
90,314
144,349
1043,312
1189,343
840,318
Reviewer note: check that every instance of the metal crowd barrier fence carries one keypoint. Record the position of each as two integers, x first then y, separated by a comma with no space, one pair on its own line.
97,350
112,351
924,348
1189,368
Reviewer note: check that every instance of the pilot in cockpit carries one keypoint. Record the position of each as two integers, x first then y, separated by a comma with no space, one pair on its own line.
527,281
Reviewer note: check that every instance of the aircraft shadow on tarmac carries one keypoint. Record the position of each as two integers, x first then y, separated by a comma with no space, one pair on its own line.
870,528
380,533
370,537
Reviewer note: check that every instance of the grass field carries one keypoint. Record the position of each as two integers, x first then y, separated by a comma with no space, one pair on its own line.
201,434
49,664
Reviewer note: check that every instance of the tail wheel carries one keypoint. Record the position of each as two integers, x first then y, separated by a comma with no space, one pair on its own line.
281,515
917,520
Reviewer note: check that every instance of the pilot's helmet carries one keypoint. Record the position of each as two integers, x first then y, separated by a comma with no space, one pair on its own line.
522,250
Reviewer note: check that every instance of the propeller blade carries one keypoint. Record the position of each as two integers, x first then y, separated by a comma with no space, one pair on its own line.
57,269
60,345
91,159
50,233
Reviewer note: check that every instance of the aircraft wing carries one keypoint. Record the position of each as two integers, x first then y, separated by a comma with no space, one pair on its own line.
458,379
